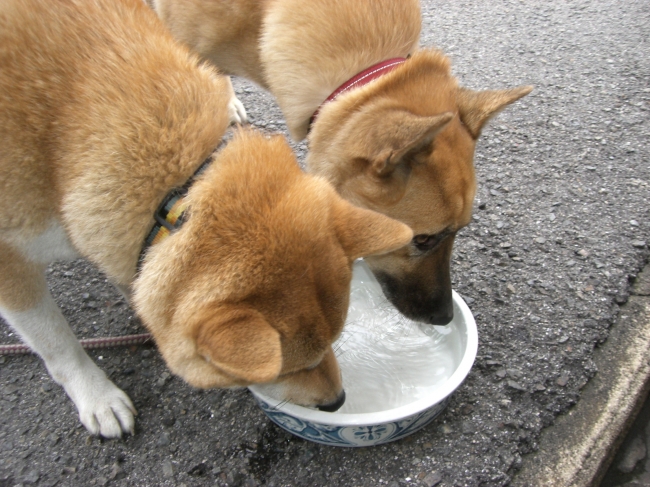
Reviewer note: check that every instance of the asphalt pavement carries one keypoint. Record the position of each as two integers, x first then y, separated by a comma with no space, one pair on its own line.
560,233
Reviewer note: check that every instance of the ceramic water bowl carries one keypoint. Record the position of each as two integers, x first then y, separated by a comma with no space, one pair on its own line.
398,375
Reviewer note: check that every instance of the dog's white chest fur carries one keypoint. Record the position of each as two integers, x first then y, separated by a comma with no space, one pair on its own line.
51,245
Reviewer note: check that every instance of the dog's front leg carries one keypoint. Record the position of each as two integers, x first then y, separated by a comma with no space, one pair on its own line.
27,305
236,110
125,291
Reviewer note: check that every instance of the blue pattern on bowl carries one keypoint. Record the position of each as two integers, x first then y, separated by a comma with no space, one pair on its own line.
352,435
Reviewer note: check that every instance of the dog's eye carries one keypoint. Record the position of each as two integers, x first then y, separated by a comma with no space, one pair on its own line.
427,242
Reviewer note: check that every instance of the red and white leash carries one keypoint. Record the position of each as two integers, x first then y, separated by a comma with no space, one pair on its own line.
87,343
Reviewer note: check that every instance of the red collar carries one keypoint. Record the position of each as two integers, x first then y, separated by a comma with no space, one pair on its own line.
364,77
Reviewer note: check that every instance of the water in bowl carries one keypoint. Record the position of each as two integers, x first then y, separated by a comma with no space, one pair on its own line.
386,359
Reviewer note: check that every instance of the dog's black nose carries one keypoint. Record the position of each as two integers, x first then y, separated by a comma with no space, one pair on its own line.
441,316
441,309
333,406
441,319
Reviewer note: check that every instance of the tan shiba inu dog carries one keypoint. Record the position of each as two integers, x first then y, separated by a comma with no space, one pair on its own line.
104,119
398,137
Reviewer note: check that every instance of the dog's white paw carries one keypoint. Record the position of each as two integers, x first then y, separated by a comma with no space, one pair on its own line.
104,409
236,111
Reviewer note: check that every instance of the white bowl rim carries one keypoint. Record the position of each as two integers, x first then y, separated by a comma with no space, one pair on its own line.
401,412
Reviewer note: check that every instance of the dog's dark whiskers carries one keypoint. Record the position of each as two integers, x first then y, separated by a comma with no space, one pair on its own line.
282,404
278,405
339,345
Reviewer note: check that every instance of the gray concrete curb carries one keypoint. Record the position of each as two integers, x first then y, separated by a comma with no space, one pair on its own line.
578,448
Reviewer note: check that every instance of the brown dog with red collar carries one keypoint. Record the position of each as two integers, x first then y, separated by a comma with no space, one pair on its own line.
401,144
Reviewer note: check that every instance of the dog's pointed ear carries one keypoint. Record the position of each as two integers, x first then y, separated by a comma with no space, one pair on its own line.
406,133
477,107
364,232
240,342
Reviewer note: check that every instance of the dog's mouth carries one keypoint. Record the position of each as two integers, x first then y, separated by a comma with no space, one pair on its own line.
333,406
432,307
279,393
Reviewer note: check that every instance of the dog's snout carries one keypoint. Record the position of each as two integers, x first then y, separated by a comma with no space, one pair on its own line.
333,406
443,317
441,310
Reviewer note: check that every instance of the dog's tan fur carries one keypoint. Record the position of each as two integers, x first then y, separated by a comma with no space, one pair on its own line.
102,113
402,145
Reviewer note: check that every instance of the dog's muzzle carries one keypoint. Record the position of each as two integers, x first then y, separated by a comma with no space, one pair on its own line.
434,308
333,406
